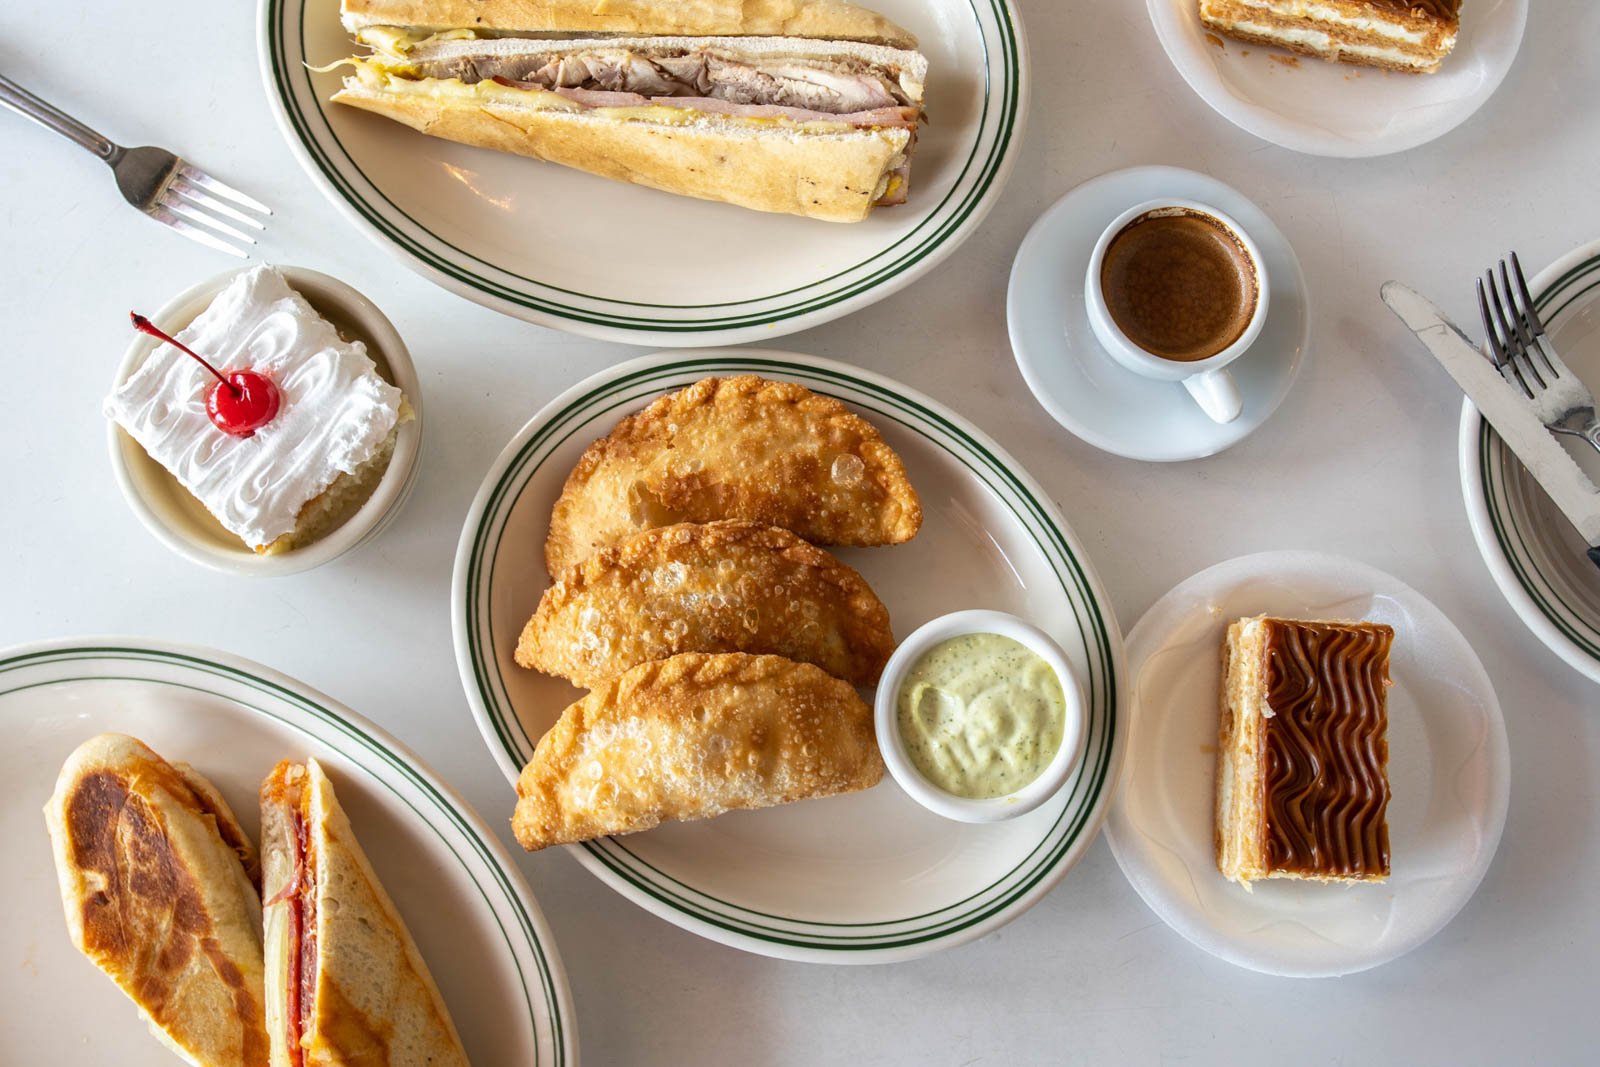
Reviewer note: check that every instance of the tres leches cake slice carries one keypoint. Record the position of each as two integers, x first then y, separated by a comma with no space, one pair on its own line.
317,460
1303,751
1405,35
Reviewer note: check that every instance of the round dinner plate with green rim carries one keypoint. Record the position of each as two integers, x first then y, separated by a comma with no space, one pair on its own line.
863,878
620,262
468,909
1533,553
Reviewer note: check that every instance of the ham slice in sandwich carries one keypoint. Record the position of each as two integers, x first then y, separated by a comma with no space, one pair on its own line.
808,107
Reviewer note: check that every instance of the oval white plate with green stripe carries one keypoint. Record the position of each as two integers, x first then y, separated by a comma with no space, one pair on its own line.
1534,554
624,263
869,877
467,907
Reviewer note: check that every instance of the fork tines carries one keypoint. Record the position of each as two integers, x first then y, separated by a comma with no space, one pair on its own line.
192,197
1514,330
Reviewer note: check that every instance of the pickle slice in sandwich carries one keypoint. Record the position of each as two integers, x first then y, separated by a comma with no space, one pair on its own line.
345,983
154,872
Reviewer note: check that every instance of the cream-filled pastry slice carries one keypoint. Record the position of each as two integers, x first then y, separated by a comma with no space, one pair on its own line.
1404,35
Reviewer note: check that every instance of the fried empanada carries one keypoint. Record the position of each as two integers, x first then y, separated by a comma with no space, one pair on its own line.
728,586
691,737
736,448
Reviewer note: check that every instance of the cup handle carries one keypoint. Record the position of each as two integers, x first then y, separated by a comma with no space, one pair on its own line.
1216,394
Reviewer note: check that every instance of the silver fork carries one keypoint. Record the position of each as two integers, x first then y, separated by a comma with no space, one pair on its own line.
1528,361
154,180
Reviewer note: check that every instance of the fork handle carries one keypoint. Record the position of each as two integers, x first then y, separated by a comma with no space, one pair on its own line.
51,117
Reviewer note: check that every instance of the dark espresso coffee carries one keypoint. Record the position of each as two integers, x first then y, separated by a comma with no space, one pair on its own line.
1179,284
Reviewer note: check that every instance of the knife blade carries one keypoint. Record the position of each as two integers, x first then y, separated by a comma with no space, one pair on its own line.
1516,423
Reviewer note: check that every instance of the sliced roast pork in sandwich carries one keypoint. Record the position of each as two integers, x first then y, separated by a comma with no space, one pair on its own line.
345,986
155,876
808,107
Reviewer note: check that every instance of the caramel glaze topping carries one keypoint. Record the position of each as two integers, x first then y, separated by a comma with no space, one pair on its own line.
1325,780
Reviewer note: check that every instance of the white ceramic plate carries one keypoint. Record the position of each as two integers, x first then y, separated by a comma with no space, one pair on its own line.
1536,557
468,908
576,252
1334,109
868,877
1449,772
1093,395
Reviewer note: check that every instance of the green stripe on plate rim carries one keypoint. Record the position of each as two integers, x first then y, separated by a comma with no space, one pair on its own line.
1088,785
1513,541
339,723
1009,105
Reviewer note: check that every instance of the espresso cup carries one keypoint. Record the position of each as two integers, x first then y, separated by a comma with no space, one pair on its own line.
1197,304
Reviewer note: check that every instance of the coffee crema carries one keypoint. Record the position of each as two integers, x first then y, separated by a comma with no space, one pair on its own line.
1179,284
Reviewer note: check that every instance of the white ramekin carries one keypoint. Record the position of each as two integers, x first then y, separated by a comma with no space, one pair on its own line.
179,521
898,760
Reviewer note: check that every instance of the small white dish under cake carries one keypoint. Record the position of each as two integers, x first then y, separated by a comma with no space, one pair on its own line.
1449,772
1336,109
1533,553
336,411
1082,386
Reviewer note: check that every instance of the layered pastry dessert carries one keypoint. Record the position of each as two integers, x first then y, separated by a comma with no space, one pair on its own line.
1303,752
326,445
1404,35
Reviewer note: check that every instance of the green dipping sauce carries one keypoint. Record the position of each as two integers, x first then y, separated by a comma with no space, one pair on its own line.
981,715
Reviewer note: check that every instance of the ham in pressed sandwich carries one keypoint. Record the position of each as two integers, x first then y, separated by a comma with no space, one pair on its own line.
808,107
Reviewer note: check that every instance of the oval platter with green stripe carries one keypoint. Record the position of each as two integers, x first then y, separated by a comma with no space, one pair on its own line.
867,877
621,262
455,885
1535,556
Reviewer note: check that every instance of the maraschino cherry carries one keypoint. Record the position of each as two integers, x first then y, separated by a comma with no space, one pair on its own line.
242,402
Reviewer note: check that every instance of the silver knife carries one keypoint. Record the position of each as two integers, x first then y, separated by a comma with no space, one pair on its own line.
1517,424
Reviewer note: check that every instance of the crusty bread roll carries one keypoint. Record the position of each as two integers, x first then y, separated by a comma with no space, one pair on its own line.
152,866
373,1000
834,19
834,176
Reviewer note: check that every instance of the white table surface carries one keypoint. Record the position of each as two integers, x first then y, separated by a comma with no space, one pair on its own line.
1360,460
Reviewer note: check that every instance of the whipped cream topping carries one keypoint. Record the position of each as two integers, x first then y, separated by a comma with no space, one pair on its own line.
334,410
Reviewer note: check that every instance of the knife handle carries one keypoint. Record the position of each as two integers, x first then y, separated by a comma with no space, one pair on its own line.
1594,554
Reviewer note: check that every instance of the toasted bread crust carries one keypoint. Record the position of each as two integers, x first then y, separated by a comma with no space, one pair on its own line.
698,18
158,900
833,176
748,448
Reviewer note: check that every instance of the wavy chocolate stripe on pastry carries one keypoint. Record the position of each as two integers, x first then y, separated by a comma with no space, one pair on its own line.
1326,750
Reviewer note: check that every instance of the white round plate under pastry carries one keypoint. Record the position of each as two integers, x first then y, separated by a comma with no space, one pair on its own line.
1449,772
1336,109
868,877
576,252
1535,556
1095,397
461,895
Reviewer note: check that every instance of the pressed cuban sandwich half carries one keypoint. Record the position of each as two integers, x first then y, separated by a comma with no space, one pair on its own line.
345,984
156,879
808,107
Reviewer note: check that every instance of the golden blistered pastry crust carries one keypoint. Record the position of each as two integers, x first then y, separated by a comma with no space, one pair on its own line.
736,448
728,586
691,737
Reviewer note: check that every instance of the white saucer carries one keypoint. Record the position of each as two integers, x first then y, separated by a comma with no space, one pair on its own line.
1096,398
1335,109
1449,771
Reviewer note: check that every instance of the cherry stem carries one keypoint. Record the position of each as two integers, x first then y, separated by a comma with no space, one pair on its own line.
144,325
